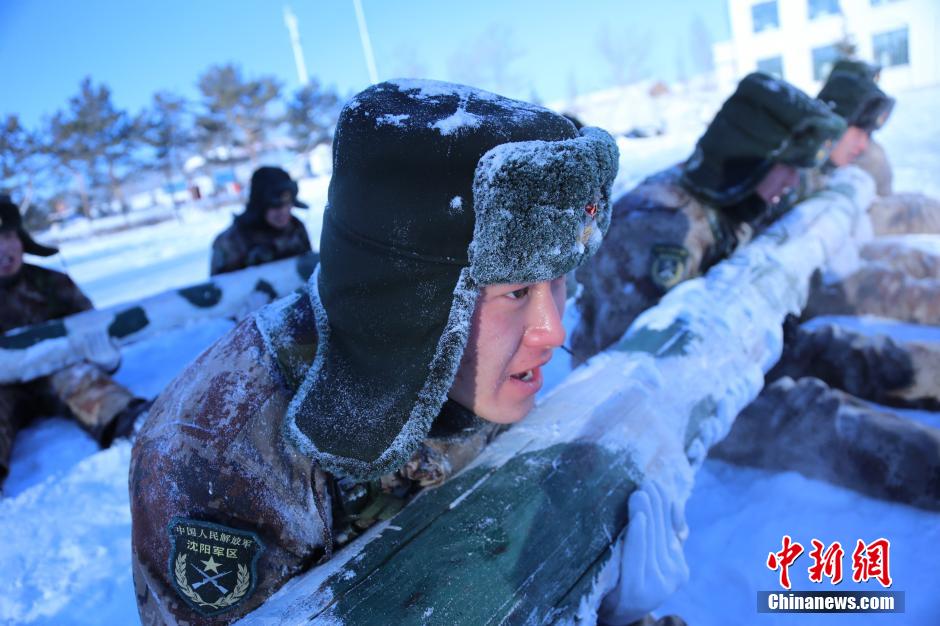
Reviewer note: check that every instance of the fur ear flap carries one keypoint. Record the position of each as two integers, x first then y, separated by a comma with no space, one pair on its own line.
541,207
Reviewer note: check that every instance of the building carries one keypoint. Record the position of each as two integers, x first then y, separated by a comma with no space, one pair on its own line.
798,40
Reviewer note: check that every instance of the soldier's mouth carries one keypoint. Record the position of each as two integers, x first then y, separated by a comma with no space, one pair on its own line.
525,376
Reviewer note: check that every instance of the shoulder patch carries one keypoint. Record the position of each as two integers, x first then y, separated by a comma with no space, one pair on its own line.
212,567
668,265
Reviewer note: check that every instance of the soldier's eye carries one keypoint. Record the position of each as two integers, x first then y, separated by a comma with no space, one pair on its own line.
516,294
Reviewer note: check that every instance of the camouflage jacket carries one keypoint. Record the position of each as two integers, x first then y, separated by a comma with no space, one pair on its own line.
239,246
36,294
660,235
219,494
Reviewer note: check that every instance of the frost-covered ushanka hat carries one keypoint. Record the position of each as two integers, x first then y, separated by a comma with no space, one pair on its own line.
764,122
438,190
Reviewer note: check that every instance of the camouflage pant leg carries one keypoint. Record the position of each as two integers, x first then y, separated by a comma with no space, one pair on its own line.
905,214
19,404
895,254
10,423
825,434
875,368
875,289
93,397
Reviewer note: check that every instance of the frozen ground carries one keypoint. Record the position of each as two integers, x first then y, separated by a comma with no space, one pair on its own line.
65,552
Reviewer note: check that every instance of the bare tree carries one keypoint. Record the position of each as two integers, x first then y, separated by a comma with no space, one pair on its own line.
626,55
700,45
487,62
407,63
97,142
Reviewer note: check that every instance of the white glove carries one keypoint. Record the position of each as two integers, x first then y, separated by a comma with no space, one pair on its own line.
652,564
96,346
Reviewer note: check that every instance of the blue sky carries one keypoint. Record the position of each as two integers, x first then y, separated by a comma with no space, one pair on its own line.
137,48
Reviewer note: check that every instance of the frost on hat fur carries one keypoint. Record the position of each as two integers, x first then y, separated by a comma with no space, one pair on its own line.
530,198
524,198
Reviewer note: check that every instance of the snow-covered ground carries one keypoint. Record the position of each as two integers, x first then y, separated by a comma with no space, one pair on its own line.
64,520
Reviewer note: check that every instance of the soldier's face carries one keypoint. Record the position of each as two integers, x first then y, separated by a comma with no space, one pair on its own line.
778,183
279,216
853,142
515,329
11,253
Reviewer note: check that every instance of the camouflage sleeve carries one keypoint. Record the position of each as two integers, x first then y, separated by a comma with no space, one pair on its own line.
659,237
223,510
62,295
826,434
303,239
225,255
77,301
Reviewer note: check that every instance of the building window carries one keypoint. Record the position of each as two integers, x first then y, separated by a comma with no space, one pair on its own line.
821,8
765,16
891,47
771,65
823,60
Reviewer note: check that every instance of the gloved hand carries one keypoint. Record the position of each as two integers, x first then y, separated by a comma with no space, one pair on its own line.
652,564
96,346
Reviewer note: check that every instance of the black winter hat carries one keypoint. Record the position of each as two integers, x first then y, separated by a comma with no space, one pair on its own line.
437,190
270,187
851,91
765,121
10,219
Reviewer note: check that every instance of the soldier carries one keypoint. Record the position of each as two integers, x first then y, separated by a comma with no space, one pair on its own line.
31,295
454,215
679,222
893,280
852,91
812,408
266,231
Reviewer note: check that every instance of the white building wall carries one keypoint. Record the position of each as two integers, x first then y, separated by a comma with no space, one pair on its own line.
797,36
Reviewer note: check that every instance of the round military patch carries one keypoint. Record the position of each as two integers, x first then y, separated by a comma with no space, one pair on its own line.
668,265
212,567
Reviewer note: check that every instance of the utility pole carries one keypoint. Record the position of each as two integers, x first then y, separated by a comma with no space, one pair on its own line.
291,21
366,43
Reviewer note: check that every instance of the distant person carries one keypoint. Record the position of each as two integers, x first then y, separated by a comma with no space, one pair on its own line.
679,222
266,231
894,279
31,295
852,91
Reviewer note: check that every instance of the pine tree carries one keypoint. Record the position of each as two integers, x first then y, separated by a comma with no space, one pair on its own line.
167,130
17,148
97,142
311,117
236,112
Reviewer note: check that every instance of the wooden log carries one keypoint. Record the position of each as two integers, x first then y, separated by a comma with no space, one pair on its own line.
34,351
521,535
